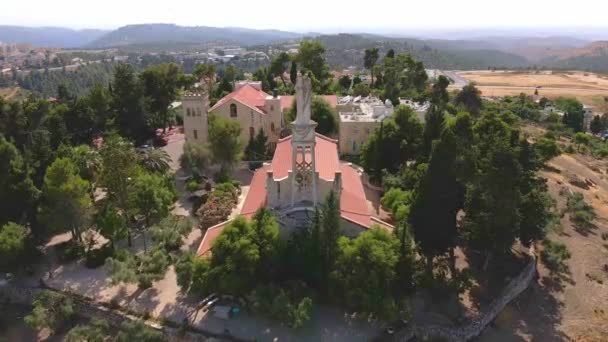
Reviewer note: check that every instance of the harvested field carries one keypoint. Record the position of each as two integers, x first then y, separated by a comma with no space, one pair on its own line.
589,88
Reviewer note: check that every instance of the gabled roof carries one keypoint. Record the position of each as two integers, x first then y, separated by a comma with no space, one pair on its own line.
248,96
326,158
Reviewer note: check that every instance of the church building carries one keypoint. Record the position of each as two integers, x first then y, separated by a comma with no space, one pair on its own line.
303,171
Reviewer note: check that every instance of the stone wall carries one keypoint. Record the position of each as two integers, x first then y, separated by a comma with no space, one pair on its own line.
515,287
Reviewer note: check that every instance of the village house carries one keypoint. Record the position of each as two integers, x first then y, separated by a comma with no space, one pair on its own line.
304,170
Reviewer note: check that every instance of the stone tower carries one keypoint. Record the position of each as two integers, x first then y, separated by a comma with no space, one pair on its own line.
304,174
195,105
274,111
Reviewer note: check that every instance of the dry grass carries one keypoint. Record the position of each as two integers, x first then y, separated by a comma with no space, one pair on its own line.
589,88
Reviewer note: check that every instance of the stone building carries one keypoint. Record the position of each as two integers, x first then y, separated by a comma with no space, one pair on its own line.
253,108
357,120
303,171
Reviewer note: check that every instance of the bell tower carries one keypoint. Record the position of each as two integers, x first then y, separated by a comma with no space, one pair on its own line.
304,175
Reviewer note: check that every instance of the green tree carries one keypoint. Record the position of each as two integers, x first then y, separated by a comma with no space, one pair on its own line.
124,267
574,114
581,138
293,72
322,113
434,124
493,197
15,246
330,231
155,160
119,161
596,126
111,223
361,89
160,87
95,331
169,232
234,259
51,310
311,58
439,95
206,74
265,234
150,198
225,142
18,194
195,157
257,149
66,203
89,164
127,102
470,99
366,270
433,211
369,60
138,331
396,141
230,73
279,65
345,83
546,149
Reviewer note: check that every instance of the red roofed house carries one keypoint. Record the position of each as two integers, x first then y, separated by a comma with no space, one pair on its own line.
303,171
253,108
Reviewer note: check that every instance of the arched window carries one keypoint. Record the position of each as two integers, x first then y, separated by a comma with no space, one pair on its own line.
272,127
251,132
187,111
233,113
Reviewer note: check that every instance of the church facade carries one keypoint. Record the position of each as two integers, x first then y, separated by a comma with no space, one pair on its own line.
304,170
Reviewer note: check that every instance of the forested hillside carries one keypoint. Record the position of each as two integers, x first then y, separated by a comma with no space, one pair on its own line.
78,82
347,49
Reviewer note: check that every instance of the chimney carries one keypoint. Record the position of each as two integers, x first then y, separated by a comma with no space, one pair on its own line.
275,93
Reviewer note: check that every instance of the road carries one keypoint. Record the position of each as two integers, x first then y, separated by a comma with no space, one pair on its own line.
459,81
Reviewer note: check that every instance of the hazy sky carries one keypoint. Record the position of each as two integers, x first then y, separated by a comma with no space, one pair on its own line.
309,15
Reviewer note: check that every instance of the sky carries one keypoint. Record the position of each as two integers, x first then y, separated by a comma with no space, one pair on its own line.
378,16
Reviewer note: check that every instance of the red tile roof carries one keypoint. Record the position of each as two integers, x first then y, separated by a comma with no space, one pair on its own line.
248,96
287,101
210,235
256,197
353,202
326,158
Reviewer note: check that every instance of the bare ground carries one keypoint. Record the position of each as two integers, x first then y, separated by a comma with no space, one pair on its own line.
570,306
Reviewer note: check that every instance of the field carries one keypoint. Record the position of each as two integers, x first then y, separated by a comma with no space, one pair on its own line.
588,88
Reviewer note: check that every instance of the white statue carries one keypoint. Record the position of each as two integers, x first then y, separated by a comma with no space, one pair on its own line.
304,100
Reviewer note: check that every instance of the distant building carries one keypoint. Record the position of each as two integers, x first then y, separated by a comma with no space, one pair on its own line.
358,117
587,117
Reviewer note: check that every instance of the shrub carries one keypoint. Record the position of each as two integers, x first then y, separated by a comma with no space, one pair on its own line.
192,185
554,256
581,213
219,205
69,251
51,310
97,257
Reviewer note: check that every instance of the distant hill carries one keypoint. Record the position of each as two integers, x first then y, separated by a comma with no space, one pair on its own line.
592,57
150,34
344,50
49,36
